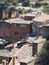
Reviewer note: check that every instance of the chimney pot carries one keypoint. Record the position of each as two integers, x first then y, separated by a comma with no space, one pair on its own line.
4,62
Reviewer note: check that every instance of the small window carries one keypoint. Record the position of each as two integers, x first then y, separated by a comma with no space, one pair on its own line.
0,25
8,25
14,25
23,33
20,37
23,26
16,33
4,33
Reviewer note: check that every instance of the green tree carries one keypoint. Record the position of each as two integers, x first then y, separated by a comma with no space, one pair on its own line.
30,10
2,7
40,0
37,4
45,4
26,3
25,11
19,10
11,9
46,9
15,2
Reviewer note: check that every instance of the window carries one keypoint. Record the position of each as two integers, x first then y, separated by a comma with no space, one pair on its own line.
16,33
23,25
8,25
34,49
4,33
20,37
23,33
14,25
33,29
0,25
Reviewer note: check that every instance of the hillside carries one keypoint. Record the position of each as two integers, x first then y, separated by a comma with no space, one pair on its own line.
20,0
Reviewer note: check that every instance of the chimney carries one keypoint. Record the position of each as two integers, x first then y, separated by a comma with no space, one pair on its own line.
14,60
4,62
34,49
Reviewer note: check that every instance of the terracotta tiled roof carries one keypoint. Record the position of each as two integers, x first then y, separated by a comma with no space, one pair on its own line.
42,18
18,21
